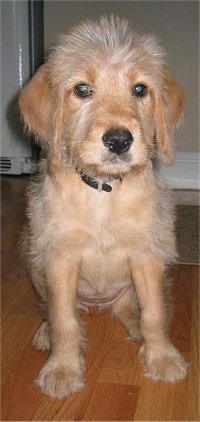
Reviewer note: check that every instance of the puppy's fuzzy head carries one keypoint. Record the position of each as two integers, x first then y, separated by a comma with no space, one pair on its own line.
104,101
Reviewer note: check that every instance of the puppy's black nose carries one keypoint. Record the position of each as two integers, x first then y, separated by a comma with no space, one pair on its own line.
117,141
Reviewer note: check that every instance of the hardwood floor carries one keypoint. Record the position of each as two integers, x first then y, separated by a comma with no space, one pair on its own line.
116,388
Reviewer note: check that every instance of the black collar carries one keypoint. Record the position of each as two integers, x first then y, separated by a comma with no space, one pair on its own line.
96,184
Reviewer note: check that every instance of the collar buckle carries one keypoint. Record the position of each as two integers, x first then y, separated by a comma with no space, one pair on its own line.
100,186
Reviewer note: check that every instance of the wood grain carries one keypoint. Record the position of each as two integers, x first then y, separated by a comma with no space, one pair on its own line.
115,385
116,402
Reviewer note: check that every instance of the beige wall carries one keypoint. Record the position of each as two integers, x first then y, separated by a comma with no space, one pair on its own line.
174,22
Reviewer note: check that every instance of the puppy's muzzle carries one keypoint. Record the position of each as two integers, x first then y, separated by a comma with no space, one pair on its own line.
117,141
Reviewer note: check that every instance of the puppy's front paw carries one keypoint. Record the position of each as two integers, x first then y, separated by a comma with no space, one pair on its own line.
166,365
59,381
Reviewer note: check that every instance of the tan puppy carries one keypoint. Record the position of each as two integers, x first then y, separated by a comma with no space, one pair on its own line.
100,219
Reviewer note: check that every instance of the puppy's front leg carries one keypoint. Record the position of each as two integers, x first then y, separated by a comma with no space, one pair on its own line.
160,358
62,374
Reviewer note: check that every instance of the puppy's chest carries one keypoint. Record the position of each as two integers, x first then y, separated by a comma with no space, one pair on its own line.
102,222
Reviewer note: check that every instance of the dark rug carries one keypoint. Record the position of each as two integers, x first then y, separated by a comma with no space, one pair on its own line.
187,233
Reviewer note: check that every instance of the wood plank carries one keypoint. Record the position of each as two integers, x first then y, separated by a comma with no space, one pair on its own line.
17,332
192,398
182,294
20,396
112,402
161,401
121,364
9,253
13,289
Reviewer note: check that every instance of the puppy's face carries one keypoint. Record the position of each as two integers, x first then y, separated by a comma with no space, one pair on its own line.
104,101
108,119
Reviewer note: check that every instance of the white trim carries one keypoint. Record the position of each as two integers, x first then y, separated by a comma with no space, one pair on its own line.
185,172
186,197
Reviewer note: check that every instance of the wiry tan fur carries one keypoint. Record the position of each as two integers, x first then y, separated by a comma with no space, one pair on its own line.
82,246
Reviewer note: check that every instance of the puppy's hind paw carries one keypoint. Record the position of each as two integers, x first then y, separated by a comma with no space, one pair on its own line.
41,340
135,335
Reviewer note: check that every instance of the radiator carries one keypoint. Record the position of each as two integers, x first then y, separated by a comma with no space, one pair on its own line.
16,149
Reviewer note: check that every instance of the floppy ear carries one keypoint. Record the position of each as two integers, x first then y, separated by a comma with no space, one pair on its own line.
169,109
35,103
42,109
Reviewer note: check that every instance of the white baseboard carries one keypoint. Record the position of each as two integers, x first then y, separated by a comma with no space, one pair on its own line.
185,172
186,197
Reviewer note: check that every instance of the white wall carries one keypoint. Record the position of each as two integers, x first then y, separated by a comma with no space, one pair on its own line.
174,22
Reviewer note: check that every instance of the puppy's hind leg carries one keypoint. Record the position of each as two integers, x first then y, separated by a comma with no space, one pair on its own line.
126,310
41,339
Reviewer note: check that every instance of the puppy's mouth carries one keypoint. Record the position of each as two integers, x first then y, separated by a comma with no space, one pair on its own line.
115,159
116,164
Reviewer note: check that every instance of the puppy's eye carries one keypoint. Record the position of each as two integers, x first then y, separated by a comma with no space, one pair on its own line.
140,90
83,90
